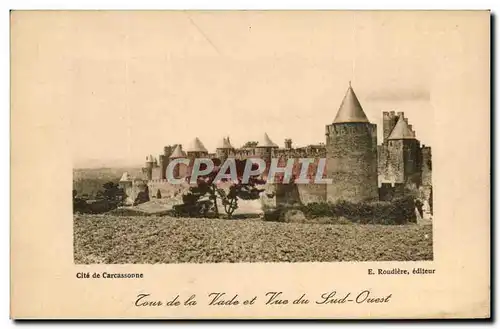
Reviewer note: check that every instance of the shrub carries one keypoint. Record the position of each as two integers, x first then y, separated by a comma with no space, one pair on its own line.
395,212
99,206
80,206
274,214
314,210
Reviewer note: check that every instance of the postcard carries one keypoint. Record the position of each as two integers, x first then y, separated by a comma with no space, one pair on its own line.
250,164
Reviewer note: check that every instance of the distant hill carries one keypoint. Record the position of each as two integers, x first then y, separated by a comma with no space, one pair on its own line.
103,173
90,180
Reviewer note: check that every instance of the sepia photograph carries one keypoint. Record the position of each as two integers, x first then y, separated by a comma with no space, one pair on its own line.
243,137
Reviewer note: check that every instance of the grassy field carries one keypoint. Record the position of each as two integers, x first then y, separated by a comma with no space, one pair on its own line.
149,240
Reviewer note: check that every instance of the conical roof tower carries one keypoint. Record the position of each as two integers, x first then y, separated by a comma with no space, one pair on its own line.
350,109
125,177
351,142
225,144
196,146
401,130
265,141
178,152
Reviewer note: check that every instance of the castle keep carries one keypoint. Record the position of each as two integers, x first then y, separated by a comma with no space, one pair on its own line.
351,149
360,169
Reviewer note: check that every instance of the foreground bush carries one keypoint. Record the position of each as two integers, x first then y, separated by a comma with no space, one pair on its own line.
396,212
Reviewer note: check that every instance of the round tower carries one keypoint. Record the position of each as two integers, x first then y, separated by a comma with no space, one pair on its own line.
179,169
126,183
196,149
264,150
404,154
224,149
351,144
149,167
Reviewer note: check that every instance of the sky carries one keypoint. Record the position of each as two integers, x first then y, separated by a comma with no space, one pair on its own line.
141,80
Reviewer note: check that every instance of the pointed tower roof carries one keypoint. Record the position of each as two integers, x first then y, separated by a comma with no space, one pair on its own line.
350,109
149,158
265,141
196,146
225,144
125,177
178,152
401,130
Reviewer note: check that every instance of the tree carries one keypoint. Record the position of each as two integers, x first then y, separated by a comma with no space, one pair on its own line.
237,191
113,193
201,199
250,144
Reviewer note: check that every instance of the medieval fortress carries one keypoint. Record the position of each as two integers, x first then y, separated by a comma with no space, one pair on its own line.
360,169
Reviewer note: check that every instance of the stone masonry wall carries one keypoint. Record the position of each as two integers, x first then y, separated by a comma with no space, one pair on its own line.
352,162
426,165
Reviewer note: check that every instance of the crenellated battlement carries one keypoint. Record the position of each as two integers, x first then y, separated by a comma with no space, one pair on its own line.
402,161
350,128
388,114
311,151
